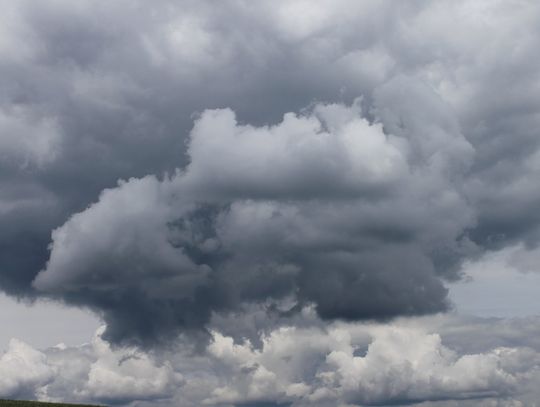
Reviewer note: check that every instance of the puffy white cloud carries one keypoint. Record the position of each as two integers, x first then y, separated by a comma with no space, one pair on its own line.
342,365
127,374
90,372
334,149
440,360
23,370
405,365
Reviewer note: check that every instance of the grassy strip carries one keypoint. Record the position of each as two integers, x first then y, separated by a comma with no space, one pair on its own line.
20,403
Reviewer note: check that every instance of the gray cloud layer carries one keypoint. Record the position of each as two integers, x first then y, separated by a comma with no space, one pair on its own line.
305,195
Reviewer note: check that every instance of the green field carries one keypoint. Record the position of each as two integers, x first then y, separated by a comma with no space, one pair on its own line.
18,403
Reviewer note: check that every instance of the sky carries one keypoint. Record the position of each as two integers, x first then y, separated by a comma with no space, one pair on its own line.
272,203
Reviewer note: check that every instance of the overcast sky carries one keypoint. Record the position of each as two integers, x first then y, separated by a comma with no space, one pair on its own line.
270,203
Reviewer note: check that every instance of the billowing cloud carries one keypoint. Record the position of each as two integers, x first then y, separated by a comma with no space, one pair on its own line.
439,360
92,94
346,156
399,365
23,370
92,371
320,207
117,376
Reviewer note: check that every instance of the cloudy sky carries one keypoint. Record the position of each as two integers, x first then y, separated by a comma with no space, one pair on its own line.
270,203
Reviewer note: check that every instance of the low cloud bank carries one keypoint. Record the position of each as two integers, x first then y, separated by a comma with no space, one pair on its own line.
439,360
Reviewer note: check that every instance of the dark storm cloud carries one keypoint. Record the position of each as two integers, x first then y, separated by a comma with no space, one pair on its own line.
359,206
319,208
93,92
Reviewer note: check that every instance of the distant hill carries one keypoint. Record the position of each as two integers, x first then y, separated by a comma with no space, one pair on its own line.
19,403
